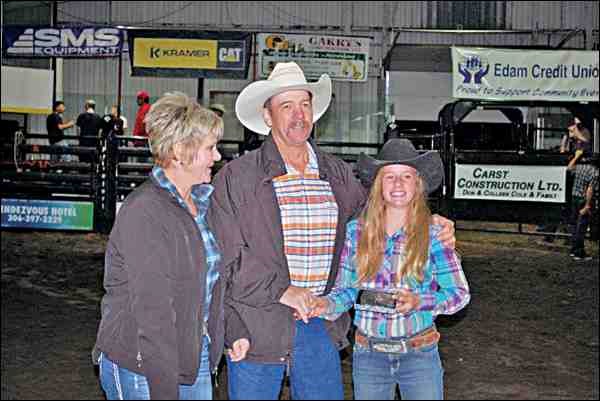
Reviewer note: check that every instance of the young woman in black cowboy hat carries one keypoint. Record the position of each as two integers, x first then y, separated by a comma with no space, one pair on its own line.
398,276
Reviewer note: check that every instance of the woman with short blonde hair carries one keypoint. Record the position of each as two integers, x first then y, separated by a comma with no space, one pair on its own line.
175,120
161,332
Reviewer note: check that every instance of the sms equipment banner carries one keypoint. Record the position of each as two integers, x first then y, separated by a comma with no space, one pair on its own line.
511,183
530,75
343,58
66,42
47,215
190,54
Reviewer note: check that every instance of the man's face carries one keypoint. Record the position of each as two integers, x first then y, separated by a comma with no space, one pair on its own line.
60,108
290,116
140,101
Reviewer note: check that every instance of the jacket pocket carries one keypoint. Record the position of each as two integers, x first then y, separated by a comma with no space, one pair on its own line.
255,282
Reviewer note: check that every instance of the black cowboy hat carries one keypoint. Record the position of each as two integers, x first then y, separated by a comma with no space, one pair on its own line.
401,151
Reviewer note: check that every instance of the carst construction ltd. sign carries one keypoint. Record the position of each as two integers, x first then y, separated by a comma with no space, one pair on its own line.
511,183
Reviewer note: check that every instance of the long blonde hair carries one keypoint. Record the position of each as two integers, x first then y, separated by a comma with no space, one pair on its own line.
371,244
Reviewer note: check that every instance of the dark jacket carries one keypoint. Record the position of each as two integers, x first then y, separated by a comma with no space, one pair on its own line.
155,281
244,216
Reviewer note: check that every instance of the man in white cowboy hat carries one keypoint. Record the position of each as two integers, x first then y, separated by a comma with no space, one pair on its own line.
279,214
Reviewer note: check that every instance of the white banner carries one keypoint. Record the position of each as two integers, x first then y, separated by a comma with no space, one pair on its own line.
344,58
26,90
511,183
506,74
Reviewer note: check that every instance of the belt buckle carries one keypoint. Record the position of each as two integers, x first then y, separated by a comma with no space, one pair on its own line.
396,348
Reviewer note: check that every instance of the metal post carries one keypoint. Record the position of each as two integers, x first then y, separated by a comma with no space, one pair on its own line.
539,133
596,136
54,10
119,84
200,94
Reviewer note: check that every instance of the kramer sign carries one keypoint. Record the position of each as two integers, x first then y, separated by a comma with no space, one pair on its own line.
530,75
190,54
511,183
67,42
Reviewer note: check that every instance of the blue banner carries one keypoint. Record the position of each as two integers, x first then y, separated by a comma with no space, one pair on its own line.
67,42
48,215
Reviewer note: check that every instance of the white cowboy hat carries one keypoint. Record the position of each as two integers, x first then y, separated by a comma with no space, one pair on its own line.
285,77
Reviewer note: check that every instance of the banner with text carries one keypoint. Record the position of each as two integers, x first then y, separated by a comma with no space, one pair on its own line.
67,42
190,54
344,58
48,215
511,183
505,74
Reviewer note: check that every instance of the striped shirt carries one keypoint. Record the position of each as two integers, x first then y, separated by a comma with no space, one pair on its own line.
444,289
309,215
201,198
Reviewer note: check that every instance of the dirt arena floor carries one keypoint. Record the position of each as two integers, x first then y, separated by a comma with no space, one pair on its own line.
530,332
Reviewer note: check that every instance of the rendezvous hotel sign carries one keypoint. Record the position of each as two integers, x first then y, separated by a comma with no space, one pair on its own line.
530,75
65,42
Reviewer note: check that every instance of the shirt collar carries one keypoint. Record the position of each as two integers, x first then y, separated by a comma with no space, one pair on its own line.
401,233
200,193
313,164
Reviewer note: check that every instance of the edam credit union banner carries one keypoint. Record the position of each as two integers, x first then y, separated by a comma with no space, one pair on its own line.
189,54
507,74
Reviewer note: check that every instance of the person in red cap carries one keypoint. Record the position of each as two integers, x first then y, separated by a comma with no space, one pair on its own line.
143,100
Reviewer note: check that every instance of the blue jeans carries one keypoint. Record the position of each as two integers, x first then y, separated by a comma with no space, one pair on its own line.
122,384
418,373
579,226
315,370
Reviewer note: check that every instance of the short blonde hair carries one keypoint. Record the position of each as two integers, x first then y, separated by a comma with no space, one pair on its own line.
176,119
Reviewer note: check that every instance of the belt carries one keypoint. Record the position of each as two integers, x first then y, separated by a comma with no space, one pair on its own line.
401,346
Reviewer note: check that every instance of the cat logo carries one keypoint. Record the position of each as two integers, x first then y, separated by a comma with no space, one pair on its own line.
230,55
277,42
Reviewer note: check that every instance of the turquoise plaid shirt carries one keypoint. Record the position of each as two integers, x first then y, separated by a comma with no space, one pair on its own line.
444,289
201,197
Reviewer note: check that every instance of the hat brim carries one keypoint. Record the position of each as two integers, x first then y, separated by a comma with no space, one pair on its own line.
250,102
429,165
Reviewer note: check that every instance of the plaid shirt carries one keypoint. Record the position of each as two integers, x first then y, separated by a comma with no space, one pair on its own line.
585,174
201,197
309,216
444,289
596,193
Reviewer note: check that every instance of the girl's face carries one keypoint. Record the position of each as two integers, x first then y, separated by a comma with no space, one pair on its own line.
399,185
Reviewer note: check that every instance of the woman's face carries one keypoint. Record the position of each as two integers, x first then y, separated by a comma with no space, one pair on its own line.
399,185
199,170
